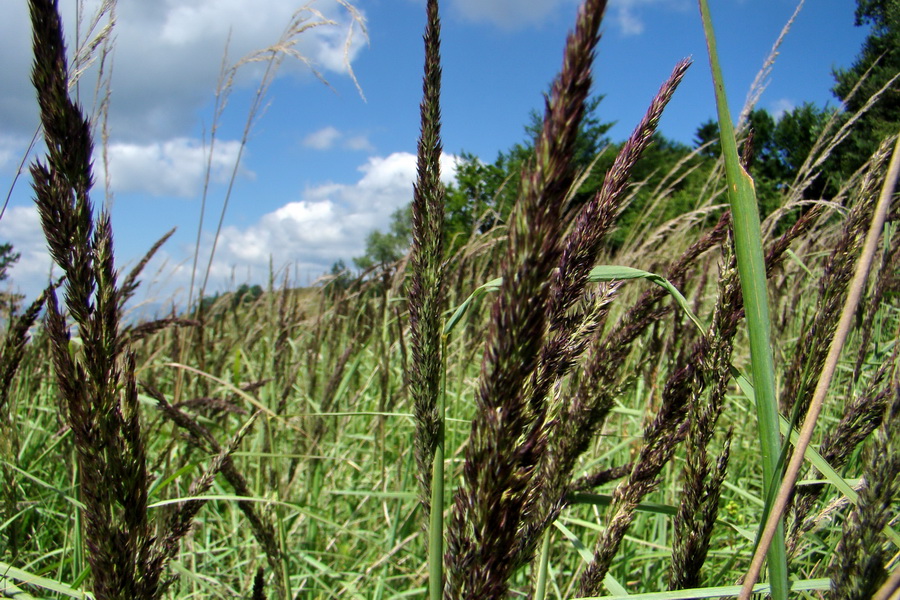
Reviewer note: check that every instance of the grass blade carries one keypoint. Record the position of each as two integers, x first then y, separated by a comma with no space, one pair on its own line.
726,591
752,270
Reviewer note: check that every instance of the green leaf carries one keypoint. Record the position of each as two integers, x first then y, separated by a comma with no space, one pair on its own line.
8,589
597,274
491,286
752,270
588,557
717,592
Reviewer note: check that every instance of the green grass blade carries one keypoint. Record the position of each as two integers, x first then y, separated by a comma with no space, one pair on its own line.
607,499
618,273
752,270
608,580
727,591
817,460
598,273
9,572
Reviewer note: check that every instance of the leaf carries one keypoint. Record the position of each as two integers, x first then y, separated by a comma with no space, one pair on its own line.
717,592
10,572
597,274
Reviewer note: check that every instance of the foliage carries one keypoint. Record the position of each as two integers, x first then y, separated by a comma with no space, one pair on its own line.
384,248
244,294
574,403
8,302
877,63
7,259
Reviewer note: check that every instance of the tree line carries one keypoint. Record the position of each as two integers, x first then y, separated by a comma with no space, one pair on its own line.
777,148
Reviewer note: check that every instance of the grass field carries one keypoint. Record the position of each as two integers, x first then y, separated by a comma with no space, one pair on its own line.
519,419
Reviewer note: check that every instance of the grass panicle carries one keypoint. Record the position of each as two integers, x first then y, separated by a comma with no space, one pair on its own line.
863,413
508,436
581,251
593,437
701,478
97,385
426,304
801,374
582,248
706,365
426,290
859,564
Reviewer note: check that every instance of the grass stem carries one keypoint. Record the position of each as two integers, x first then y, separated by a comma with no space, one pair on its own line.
752,271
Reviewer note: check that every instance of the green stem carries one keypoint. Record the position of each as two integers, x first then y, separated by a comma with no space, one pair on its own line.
540,588
752,270
436,522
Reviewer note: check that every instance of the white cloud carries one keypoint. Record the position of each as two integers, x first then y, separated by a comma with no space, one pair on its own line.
781,106
175,167
327,223
323,139
168,54
625,14
359,142
21,226
328,137
11,150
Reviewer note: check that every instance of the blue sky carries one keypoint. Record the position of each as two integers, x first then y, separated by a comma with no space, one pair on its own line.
325,165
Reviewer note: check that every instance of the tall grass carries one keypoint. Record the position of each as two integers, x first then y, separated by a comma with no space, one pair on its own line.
592,437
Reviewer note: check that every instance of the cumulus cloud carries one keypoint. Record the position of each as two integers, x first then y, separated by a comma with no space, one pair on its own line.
322,139
175,167
21,226
327,222
168,54
626,14
329,137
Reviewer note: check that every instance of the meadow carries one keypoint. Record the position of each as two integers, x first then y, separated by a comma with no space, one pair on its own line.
527,416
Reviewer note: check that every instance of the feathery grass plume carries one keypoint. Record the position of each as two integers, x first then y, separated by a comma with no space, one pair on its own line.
686,383
426,290
708,363
584,413
202,437
808,358
97,386
179,522
582,246
106,434
861,557
862,415
702,481
507,436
